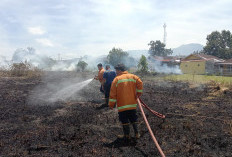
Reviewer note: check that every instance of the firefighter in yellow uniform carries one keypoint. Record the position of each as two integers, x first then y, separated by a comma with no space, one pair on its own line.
100,76
125,90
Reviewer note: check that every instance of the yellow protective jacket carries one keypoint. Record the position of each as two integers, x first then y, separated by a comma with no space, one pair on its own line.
124,91
100,75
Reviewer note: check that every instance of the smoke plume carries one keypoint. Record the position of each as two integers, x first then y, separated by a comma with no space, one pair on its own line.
159,67
3,62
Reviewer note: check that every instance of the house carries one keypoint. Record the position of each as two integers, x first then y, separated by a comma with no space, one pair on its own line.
224,68
199,64
167,60
164,64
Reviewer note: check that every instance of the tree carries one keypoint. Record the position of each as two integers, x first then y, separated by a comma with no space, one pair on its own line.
82,65
116,56
219,44
158,49
143,65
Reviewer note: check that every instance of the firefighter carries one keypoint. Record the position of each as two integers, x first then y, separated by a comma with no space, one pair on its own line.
100,76
125,90
108,77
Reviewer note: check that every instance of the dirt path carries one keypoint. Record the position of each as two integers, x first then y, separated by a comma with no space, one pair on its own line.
198,122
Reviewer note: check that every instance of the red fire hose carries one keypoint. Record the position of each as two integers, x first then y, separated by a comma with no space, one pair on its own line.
152,111
148,126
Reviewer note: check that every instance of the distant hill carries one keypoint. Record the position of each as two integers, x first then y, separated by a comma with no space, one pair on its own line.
182,50
187,49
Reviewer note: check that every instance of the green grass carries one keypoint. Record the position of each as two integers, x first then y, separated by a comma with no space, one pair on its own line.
222,80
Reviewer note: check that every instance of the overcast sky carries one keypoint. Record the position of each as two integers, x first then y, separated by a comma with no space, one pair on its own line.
93,27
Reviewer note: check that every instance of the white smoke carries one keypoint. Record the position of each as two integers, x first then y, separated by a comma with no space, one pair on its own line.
157,66
3,62
49,64
42,61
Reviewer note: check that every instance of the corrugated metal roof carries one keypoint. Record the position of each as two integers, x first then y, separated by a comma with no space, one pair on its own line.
164,59
203,57
229,61
207,57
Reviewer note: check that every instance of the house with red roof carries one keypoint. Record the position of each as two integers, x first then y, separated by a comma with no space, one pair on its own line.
165,60
200,64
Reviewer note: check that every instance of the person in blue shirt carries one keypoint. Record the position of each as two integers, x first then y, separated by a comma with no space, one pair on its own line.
108,77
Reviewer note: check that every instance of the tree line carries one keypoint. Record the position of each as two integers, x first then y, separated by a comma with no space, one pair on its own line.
218,44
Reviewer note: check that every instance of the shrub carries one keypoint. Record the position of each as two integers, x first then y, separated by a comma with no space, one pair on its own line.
143,65
81,65
24,69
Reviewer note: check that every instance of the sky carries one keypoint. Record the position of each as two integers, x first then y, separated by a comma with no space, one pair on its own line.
74,28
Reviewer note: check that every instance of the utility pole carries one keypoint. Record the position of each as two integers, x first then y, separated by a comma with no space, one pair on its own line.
165,34
59,57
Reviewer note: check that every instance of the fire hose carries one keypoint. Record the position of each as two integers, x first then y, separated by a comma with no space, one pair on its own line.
152,111
141,103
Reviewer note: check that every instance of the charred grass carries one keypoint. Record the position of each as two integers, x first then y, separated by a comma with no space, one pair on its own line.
198,121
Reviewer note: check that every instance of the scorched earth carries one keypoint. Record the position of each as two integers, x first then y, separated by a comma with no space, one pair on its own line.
198,119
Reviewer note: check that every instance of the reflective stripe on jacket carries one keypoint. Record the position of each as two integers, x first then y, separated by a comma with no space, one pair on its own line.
124,90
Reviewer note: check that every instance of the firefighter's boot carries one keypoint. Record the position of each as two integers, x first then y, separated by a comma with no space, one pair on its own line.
136,131
126,132
107,101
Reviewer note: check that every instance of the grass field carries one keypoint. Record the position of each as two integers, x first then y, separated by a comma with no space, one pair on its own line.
222,80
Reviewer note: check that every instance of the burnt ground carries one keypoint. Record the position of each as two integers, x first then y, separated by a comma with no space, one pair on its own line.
198,121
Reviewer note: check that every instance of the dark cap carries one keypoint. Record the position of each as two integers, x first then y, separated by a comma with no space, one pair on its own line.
99,65
120,67
107,66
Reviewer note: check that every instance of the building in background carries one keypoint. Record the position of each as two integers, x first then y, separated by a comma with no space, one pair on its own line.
200,64
224,68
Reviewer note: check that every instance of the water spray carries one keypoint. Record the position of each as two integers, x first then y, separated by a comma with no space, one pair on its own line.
69,91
